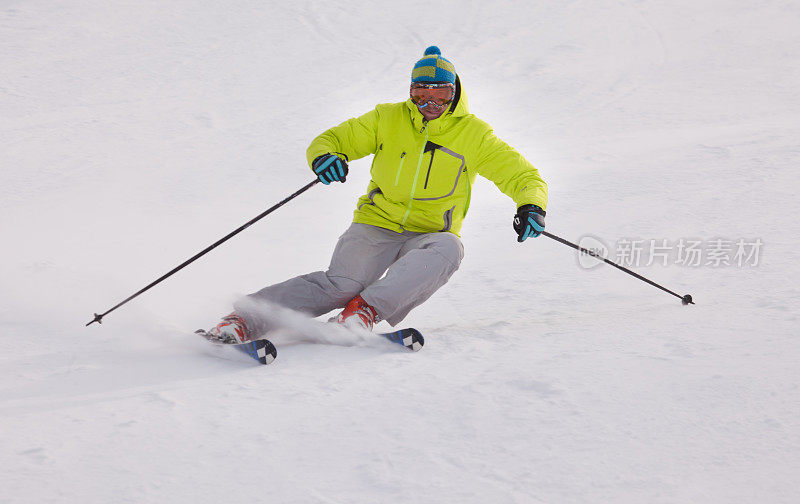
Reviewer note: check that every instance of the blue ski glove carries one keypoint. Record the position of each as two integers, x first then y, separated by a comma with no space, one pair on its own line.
529,222
330,167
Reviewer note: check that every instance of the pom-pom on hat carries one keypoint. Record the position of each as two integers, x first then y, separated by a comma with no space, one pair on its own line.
433,67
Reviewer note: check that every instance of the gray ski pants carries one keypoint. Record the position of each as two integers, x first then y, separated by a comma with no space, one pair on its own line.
418,264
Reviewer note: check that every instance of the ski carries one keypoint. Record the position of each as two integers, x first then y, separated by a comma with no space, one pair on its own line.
408,337
261,350
265,352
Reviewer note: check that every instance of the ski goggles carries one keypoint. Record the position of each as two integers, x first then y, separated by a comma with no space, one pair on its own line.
440,94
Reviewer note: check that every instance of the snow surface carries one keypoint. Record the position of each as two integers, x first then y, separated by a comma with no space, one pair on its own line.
134,134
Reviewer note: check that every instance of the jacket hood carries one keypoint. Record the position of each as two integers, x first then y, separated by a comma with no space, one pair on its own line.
459,108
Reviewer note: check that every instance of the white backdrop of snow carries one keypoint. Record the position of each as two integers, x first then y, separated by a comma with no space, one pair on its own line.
133,134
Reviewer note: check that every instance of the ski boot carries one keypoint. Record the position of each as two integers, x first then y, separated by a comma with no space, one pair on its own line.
358,314
230,331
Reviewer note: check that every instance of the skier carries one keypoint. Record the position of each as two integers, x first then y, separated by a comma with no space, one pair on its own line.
427,152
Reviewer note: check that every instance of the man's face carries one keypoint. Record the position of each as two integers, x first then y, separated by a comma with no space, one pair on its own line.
430,113
432,99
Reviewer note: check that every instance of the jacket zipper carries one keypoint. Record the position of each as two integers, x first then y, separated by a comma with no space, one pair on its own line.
416,175
400,168
428,176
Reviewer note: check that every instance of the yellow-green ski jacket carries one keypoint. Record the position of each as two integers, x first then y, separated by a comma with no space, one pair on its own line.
423,171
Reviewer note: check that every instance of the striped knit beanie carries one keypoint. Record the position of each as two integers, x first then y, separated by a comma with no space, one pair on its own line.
433,68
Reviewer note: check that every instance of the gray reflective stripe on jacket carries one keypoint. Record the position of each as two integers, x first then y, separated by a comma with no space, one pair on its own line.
371,197
448,219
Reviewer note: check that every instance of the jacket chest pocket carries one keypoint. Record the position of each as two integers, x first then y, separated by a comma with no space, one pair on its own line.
442,169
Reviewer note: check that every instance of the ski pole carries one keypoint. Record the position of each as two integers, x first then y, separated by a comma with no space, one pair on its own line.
99,317
687,299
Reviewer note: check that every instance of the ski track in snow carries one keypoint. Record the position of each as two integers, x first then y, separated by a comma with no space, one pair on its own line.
134,135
